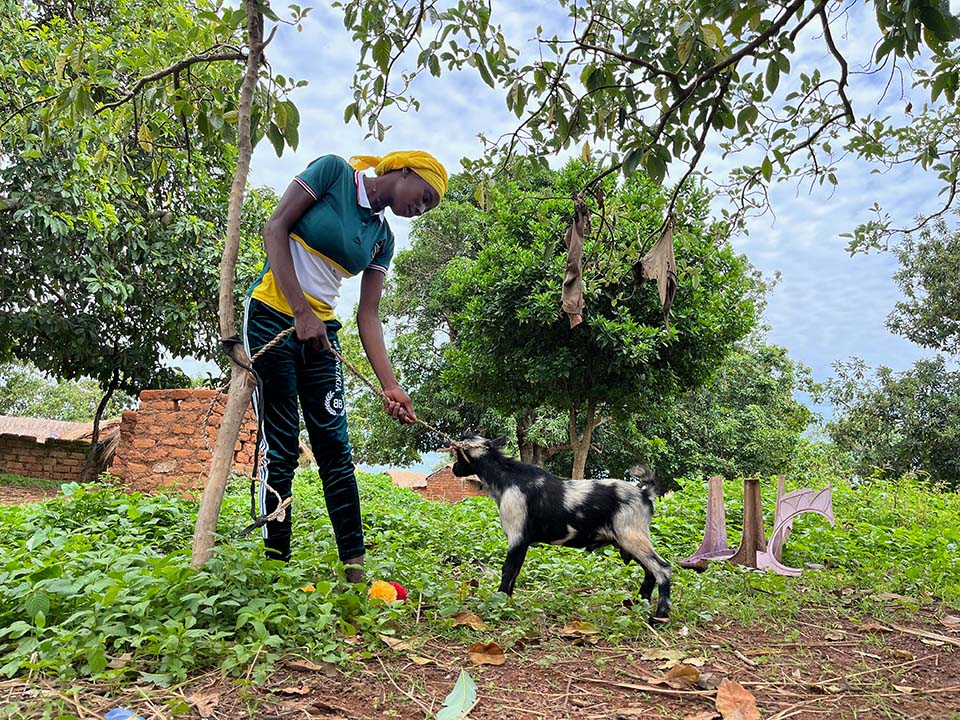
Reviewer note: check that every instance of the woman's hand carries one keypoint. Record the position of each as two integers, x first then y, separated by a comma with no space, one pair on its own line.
398,404
311,329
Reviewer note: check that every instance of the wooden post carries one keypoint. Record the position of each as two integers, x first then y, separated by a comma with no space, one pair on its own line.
753,538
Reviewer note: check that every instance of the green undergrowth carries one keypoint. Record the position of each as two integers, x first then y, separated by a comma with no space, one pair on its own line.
10,479
98,584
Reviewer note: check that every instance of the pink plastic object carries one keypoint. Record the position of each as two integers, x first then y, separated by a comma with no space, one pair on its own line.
789,505
714,545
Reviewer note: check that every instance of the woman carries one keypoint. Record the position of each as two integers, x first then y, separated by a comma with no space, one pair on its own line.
329,225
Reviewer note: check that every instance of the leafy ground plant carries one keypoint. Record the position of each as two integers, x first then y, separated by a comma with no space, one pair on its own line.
96,585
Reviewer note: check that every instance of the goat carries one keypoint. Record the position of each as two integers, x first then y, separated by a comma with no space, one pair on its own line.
538,507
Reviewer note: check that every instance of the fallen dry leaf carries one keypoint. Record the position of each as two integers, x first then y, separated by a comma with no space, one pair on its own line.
486,654
875,627
205,703
709,681
894,597
705,715
579,629
120,661
932,643
905,689
951,621
900,653
835,636
296,690
735,702
328,669
353,640
396,643
679,677
468,619
420,660
659,654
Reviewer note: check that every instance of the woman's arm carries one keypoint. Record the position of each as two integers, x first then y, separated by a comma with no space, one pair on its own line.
276,239
371,336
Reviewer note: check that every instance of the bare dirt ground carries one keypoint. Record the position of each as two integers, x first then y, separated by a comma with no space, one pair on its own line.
830,669
16,494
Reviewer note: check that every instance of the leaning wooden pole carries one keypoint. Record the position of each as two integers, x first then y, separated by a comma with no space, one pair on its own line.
241,384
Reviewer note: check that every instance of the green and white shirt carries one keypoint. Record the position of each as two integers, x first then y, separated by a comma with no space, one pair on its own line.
338,237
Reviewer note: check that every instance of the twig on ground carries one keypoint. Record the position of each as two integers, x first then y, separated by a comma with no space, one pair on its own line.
401,690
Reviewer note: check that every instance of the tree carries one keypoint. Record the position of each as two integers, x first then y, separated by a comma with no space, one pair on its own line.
657,83
25,391
128,109
745,422
899,422
476,312
929,314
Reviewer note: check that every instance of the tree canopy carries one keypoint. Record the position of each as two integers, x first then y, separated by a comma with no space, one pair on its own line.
652,85
476,306
115,139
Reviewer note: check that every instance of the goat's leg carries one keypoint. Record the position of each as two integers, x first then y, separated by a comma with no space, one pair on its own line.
657,571
511,567
649,580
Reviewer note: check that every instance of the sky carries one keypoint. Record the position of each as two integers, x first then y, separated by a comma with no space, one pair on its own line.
828,306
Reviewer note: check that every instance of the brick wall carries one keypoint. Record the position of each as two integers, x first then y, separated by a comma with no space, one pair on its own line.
444,485
51,459
161,443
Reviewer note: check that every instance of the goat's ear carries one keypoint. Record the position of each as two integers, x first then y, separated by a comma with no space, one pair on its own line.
499,443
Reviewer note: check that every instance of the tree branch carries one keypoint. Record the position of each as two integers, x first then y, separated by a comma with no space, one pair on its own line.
176,67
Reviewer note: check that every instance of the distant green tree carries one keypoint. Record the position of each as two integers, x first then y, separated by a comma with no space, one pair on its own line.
929,278
899,422
26,392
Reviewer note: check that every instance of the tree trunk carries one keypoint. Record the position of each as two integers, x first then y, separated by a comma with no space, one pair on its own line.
241,384
580,442
91,455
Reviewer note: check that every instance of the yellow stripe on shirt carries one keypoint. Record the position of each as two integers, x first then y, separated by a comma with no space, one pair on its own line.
269,293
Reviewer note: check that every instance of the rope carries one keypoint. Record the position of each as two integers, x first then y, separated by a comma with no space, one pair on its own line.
283,503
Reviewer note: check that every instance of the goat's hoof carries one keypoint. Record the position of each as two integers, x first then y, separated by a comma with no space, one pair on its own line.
657,620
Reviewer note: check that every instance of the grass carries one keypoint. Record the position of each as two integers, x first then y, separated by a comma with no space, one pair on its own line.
10,479
97,583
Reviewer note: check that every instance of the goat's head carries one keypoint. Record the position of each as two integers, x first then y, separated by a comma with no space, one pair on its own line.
470,449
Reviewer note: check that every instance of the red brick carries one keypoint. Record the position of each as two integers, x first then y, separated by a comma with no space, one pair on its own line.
144,442
136,468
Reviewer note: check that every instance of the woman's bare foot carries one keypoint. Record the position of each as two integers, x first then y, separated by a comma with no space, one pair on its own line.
354,574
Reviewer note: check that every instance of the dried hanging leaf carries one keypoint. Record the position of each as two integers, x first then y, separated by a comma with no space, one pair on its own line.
486,654
679,677
735,702
205,703
468,619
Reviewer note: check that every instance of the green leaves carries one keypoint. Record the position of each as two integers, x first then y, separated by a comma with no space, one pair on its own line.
460,700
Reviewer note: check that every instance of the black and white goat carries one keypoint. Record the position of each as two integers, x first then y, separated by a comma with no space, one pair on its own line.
538,507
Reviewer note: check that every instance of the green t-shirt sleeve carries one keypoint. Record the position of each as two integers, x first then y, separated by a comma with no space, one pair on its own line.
381,261
321,175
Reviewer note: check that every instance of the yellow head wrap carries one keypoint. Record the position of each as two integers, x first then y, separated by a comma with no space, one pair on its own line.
422,163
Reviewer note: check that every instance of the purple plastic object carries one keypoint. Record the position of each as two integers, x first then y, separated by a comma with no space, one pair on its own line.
714,545
789,505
